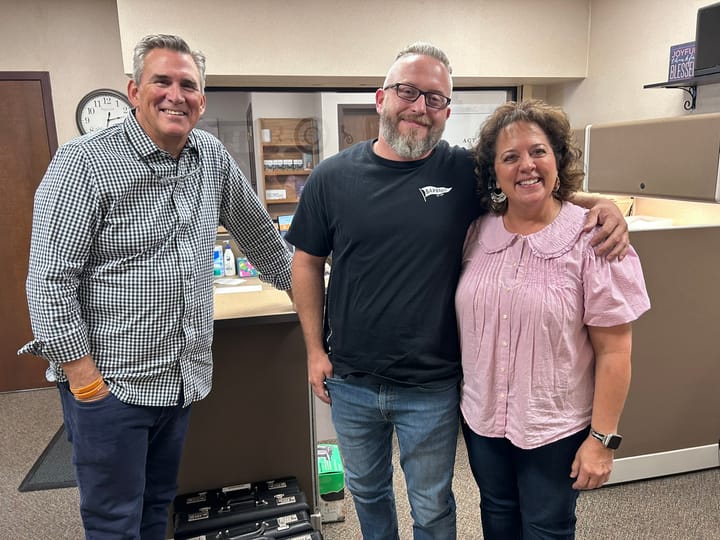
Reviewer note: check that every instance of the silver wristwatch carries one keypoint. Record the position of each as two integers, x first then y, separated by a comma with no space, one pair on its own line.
611,440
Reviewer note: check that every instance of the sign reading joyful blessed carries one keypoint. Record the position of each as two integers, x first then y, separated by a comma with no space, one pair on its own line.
682,62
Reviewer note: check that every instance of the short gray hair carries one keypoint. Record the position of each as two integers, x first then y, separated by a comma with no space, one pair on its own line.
426,49
165,41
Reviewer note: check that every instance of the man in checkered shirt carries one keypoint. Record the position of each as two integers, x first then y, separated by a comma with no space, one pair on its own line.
120,285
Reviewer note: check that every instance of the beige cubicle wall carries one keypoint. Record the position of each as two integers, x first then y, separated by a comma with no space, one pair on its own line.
671,422
670,168
675,158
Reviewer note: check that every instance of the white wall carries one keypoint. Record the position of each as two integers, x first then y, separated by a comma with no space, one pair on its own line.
630,47
349,42
629,43
76,41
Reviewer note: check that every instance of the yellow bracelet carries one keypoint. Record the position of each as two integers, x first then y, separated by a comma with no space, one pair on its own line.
89,390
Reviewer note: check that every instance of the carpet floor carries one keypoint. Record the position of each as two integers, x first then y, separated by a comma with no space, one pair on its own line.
682,507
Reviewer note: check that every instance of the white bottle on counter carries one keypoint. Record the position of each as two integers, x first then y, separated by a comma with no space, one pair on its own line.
229,260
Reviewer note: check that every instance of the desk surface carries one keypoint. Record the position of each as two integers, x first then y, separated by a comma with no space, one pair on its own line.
246,302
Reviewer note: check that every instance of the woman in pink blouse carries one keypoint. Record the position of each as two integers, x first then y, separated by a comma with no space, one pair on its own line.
545,327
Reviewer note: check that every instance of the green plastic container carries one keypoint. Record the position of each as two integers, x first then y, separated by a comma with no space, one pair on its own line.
330,469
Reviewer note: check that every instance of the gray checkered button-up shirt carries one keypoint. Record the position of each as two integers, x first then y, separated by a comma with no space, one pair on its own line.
121,259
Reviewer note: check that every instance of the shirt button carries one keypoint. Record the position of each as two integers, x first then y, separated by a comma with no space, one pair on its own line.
504,315
504,343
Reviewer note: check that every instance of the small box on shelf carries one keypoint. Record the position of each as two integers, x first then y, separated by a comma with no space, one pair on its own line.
276,195
284,188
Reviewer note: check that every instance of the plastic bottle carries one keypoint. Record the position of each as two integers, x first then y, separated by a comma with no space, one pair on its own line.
229,259
218,262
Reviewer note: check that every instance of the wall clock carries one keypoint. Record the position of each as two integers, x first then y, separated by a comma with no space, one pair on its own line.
100,109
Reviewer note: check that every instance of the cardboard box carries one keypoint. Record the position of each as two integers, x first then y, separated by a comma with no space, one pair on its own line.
331,482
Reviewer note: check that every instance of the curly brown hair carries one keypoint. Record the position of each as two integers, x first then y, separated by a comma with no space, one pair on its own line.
556,126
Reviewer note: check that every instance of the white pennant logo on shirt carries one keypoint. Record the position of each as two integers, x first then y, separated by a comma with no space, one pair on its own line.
434,190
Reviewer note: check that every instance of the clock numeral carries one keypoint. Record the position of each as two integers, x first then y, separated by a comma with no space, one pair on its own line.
101,109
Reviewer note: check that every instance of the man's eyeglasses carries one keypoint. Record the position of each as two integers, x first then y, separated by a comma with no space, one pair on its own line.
408,92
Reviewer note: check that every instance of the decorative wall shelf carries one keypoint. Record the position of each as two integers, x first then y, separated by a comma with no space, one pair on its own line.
689,86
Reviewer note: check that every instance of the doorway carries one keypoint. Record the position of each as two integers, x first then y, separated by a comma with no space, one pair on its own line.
28,141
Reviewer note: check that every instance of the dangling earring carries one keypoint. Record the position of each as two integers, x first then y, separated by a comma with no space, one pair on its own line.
497,196
557,185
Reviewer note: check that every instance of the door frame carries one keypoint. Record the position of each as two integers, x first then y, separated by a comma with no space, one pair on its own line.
44,78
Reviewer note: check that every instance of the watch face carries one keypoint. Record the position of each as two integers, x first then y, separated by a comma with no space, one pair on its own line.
613,442
100,109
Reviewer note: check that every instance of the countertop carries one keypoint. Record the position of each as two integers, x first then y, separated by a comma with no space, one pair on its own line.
251,302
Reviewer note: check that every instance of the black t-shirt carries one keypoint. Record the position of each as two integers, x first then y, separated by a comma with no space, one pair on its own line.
396,231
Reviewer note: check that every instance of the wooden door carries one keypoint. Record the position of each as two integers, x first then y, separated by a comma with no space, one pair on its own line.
357,123
27,142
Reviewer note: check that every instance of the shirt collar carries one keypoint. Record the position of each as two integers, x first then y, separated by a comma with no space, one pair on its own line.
553,241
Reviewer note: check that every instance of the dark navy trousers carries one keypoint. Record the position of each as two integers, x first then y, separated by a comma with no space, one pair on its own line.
126,460
524,494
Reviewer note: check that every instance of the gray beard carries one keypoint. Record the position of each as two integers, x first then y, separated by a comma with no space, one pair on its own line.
407,146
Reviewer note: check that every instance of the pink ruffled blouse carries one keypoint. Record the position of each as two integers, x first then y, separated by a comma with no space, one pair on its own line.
523,305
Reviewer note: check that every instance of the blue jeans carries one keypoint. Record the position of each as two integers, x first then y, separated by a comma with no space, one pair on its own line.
126,461
524,494
426,423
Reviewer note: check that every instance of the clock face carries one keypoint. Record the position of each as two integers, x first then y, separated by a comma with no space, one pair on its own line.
100,109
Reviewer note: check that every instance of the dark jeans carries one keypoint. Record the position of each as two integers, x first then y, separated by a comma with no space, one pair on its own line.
126,461
524,494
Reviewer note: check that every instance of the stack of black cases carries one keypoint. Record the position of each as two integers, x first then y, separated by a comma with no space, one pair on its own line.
254,511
